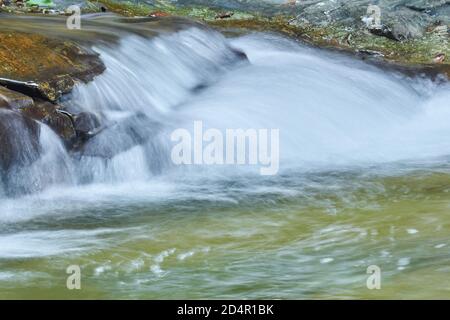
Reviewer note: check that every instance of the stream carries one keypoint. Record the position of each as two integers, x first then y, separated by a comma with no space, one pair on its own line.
363,176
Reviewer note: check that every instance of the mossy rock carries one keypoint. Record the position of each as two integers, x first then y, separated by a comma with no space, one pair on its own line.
54,66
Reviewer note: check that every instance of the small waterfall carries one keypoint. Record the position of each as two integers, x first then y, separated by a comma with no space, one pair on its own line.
146,80
34,155
155,75
331,110
55,166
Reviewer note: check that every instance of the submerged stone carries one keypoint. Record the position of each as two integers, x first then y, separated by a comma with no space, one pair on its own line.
51,114
120,136
19,140
86,123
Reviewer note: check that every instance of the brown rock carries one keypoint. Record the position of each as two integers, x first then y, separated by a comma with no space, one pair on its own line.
439,58
51,114
52,65
14,100
224,15
19,140
157,14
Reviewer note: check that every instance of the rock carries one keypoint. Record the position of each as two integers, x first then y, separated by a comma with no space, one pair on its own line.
86,124
14,100
240,55
40,110
440,30
369,53
443,14
157,14
422,5
120,136
59,121
400,20
401,32
28,88
404,24
19,140
48,66
224,15
439,58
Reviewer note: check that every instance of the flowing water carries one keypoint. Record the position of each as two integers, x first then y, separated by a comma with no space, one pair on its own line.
363,180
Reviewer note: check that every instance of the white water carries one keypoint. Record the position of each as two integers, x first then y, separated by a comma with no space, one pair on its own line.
332,111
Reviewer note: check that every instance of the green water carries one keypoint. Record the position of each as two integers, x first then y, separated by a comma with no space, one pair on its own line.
312,238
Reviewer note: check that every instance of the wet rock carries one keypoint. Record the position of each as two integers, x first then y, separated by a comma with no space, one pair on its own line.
86,124
224,15
405,23
28,88
399,20
58,120
397,23
439,58
19,140
369,53
120,136
43,111
48,66
399,31
240,55
14,100
27,165
440,30
157,14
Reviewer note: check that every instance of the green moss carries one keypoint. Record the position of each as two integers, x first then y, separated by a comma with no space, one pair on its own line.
127,9
416,51
197,12
412,52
